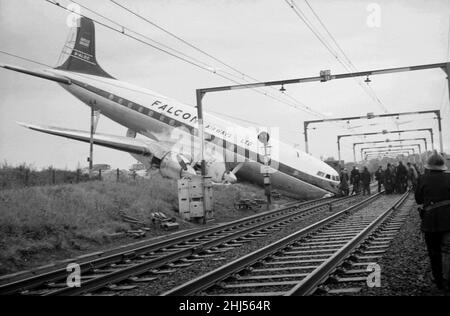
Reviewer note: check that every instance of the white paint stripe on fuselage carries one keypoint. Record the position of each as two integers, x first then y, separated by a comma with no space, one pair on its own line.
143,97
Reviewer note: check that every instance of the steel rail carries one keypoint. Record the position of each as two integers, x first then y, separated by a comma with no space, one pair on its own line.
140,268
133,251
215,276
308,285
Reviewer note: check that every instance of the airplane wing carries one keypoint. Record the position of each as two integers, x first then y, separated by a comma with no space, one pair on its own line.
130,145
40,74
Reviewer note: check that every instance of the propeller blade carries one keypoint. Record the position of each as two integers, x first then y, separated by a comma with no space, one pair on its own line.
237,168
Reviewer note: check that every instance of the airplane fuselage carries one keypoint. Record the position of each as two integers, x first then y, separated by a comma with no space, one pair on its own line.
166,120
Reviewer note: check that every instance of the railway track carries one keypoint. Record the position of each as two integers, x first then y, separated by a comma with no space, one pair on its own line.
144,261
301,262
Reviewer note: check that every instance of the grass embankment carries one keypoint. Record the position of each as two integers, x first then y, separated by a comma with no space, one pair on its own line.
39,225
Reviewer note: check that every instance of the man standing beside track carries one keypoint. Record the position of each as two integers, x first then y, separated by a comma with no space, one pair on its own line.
365,179
433,191
402,177
389,179
379,175
412,176
344,182
354,180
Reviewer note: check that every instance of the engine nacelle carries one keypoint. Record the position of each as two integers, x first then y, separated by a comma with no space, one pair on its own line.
174,166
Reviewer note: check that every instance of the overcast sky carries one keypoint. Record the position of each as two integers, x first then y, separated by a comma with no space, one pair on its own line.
262,38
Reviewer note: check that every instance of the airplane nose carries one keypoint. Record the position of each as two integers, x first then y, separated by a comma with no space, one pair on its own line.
229,177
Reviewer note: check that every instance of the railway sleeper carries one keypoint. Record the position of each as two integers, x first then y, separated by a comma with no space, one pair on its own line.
255,285
271,276
163,271
115,287
351,290
318,257
302,268
218,250
141,279
179,265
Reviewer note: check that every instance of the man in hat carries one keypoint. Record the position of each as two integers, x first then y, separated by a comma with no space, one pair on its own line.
433,191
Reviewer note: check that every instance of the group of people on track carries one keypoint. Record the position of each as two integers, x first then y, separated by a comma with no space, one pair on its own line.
395,179
432,190
359,181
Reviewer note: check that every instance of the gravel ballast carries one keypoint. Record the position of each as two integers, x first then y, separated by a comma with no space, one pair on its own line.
169,281
405,267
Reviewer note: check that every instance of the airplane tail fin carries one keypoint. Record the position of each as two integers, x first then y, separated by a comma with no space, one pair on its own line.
79,51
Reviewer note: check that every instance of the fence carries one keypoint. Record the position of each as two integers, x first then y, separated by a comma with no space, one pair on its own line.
24,176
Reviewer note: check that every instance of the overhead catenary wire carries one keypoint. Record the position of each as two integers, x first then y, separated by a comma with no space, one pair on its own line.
350,67
177,37
126,32
122,29
141,35
350,63
25,59
240,73
217,113
347,63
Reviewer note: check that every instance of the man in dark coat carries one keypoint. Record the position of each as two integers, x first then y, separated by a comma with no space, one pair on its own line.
355,179
433,191
402,177
412,176
365,179
389,179
379,176
344,182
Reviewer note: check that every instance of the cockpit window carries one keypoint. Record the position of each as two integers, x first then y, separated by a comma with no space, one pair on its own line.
327,176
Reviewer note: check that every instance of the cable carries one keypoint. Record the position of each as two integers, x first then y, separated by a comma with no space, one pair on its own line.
124,32
351,65
242,75
140,34
305,20
177,37
25,59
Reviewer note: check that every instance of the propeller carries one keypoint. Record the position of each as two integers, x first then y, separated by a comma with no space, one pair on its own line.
230,176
